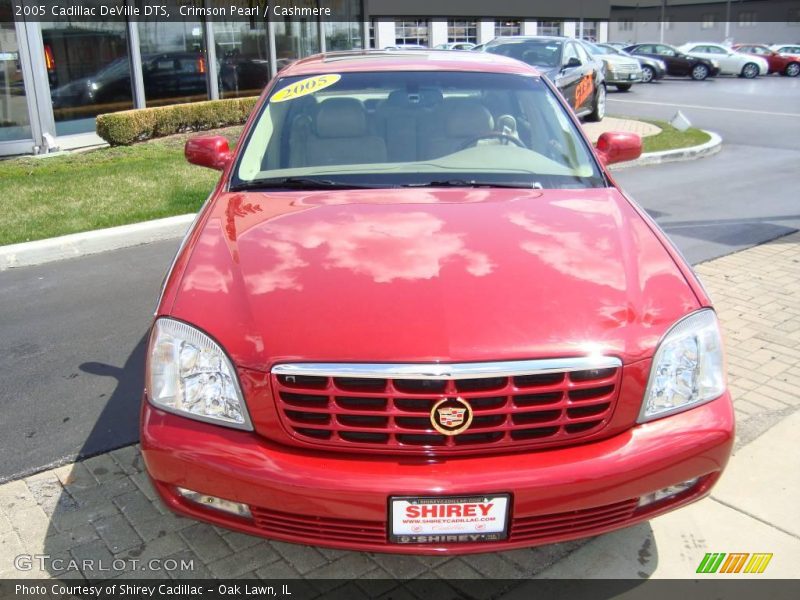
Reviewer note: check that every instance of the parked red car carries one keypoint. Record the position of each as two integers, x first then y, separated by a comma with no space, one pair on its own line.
418,315
785,64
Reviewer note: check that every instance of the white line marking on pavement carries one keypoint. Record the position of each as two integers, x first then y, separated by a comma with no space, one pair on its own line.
740,110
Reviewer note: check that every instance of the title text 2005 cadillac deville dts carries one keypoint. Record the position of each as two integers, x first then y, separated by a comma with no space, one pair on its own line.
417,315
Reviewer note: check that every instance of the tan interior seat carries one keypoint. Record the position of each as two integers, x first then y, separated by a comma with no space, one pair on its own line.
464,119
340,135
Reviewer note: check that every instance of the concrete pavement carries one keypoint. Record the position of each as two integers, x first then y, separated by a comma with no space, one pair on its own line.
103,509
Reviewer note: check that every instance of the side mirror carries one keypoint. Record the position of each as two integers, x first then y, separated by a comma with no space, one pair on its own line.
210,151
573,62
615,147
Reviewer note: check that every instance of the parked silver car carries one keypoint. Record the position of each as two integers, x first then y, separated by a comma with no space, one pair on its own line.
621,71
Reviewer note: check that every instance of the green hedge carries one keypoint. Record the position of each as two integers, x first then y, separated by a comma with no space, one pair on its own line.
131,126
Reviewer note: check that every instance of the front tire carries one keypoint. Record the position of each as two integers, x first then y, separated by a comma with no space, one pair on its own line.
599,110
750,71
623,87
699,72
648,74
792,69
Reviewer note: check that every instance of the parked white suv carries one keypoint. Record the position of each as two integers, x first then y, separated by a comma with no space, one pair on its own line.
730,61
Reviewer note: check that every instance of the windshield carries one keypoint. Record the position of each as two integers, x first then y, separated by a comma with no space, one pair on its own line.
605,49
597,50
540,53
416,128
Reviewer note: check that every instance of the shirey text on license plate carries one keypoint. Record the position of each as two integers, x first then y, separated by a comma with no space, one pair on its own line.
446,520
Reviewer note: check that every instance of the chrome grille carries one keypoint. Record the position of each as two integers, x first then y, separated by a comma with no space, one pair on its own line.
387,406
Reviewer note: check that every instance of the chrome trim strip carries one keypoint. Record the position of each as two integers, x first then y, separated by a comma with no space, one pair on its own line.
447,370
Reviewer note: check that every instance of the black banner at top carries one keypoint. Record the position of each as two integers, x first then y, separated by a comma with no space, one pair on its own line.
64,11
181,10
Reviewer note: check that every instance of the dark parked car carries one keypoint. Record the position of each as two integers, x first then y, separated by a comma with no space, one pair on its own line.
577,75
243,74
678,64
652,68
168,75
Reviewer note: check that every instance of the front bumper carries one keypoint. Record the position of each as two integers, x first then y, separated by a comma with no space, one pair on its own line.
341,501
614,78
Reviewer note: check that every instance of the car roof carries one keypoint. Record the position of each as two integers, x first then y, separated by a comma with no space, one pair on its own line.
412,60
522,38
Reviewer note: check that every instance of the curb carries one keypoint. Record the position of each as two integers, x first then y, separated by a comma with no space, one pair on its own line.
74,245
712,146
27,254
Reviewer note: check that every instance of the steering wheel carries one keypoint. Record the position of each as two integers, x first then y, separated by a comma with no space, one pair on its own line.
500,135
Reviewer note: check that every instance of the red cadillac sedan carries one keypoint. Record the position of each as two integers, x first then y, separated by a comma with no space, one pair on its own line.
417,315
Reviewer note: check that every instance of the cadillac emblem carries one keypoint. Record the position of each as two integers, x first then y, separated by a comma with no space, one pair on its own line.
451,416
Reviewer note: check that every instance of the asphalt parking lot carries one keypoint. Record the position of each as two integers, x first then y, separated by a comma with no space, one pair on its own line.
71,363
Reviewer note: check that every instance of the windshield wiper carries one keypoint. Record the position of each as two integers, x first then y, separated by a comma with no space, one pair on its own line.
297,183
472,183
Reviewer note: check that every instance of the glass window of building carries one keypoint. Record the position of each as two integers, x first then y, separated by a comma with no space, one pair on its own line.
747,19
371,33
462,31
709,21
296,37
88,71
173,62
342,35
343,32
506,28
588,31
549,28
411,32
14,120
242,53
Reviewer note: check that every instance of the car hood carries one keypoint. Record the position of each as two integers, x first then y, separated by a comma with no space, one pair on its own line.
428,275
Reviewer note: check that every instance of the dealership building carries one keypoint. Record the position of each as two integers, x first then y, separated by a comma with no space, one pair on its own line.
57,76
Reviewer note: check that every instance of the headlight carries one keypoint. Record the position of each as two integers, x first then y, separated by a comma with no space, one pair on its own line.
190,375
687,368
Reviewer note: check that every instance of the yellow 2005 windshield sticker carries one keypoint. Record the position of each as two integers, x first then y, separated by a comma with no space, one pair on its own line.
305,87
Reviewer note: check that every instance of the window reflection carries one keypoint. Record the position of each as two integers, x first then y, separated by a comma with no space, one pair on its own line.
88,71
14,122
242,55
173,62
345,33
295,38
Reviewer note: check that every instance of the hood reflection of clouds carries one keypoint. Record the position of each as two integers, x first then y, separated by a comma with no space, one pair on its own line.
385,247
592,258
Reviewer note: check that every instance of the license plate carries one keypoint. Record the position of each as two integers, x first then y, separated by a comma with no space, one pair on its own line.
445,520
633,76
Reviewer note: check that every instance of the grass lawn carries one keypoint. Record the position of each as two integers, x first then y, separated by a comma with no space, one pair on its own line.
672,139
47,197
